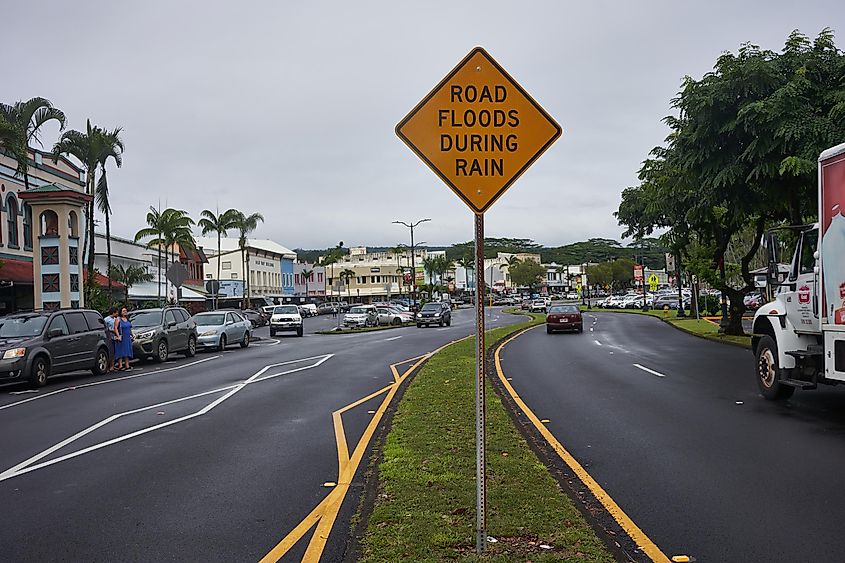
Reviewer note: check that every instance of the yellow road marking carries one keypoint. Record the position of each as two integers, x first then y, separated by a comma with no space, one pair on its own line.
325,513
634,531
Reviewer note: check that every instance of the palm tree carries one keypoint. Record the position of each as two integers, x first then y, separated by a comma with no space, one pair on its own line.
333,257
176,233
509,263
20,126
133,275
346,275
245,225
111,146
430,267
398,251
219,223
155,220
307,274
87,148
467,262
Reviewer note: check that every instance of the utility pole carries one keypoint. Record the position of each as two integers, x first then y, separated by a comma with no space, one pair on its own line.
411,226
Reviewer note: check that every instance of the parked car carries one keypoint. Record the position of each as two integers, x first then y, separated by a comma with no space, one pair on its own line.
309,309
158,332
361,316
391,316
34,346
754,301
564,317
286,318
217,329
326,308
257,319
525,305
666,300
573,296
537,306
434,313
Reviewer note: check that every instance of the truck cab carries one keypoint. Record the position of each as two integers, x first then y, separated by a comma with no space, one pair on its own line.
799,337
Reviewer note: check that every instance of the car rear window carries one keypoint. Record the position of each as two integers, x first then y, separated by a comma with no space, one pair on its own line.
563,309
76,323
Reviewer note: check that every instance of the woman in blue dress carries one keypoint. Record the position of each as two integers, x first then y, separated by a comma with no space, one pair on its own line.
123,341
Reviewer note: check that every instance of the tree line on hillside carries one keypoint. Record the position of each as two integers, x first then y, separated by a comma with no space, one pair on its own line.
740,157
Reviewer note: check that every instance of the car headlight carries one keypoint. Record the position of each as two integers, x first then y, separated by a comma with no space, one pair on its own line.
14,353
143,335
436,314
211,332
419,315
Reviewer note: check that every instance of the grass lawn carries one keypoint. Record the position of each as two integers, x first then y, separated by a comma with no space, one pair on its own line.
697,327
425,506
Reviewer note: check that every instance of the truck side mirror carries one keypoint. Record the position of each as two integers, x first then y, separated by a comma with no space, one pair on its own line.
772,271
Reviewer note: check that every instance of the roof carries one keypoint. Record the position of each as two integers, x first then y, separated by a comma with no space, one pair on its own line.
57,190
227,244
18,271
832,151
101,280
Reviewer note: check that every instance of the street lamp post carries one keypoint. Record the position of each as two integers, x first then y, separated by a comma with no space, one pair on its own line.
411,226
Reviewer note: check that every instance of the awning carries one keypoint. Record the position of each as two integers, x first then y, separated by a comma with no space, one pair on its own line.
17,271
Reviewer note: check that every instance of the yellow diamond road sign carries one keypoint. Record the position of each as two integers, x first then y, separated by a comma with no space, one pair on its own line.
478,130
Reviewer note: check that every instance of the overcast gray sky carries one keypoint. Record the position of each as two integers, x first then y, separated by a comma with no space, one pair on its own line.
288,108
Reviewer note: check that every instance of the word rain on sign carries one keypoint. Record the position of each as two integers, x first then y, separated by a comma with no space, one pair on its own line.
478,130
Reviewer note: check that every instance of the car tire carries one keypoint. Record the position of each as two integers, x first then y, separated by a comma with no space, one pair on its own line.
768,371
191,350
272,332
548,330
245,341
299,331
396,322
440,324
419,325
221,344
449,322
101,362
39,372
162,351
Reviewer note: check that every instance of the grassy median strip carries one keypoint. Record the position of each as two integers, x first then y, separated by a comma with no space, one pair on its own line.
425,506
697,327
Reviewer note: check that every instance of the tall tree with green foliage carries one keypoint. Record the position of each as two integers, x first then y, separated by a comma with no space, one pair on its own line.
111,147
245,224
129,276
219,224
527,273
741,154
20,128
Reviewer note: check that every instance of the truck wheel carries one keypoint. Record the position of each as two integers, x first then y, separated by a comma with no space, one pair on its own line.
768,371
299,331
272,332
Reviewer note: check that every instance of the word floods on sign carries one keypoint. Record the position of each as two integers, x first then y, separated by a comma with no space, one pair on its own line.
478,130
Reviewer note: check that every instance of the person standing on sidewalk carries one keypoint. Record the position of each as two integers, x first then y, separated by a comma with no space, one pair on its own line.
123,347
110,321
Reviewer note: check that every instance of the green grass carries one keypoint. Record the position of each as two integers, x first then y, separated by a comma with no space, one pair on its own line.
697,327
425,506
367,329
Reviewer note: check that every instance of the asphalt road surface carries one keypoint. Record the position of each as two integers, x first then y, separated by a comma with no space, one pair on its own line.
213,458
673,428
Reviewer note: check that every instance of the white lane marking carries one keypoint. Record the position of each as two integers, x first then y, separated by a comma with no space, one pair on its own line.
597,342
651,371
23,392
389,339
26,466
272,342
133,376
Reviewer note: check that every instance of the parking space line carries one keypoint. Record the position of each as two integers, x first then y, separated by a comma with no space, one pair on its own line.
651,371
625,522
124,378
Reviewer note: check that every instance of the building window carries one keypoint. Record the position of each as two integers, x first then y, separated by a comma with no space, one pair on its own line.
49,255
49,282
73,256
49,223
73,224
27,226
226,265
234,276
12,218
74,304
74,282
51,305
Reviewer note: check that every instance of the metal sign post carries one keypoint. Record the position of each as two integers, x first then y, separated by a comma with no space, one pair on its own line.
480,403
478,130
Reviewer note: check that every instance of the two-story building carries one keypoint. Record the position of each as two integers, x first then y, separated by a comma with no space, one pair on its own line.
18,226
309,281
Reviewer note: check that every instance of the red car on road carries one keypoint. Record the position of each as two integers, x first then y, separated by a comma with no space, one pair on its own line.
564,317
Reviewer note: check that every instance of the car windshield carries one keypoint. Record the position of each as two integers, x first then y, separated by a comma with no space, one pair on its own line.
210,319
358,310
431,307
563,309
286,310
22,326
145,318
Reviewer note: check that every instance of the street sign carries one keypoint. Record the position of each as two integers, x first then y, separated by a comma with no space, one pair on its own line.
578,288
177,273
638,272
653,282
478,130
670,262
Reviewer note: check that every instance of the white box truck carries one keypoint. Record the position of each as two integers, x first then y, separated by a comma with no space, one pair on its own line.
799,338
